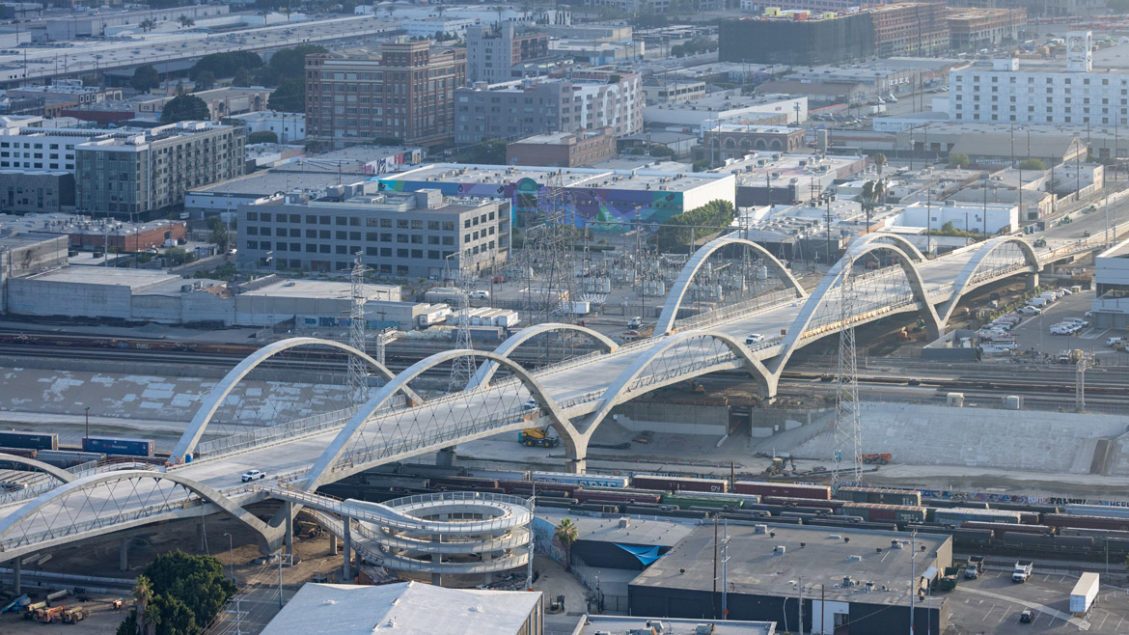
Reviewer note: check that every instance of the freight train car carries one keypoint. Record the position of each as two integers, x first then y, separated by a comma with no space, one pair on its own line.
882,496
1086,522
687,501
616,495
27,453
793,490
1096,510
29,440
584,480
873,512
679,483
122,447
999,529
464,483
956,515
527,488
788,501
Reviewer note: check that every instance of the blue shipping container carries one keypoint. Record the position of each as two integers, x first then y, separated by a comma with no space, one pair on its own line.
29,440
127,447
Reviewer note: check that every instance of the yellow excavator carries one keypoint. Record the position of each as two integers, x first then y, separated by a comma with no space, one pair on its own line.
538,438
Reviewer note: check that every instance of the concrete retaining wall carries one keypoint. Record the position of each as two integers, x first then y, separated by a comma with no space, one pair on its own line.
672,418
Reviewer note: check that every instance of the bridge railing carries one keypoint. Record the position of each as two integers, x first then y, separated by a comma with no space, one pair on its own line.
259,437
772,299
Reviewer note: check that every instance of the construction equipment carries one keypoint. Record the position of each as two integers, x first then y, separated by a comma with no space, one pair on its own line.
74,616
31,609
50,615
776,467
694,385
14,604
116,605
538,438
877,458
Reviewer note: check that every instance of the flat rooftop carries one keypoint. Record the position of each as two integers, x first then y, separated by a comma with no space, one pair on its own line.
321,289
353,157
752,170
639,531
59,223
772,562
406,607
620,625
136,279
722,102
638,179
268,183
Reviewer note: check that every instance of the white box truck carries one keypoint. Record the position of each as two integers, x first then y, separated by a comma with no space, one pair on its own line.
1084,593
1021,571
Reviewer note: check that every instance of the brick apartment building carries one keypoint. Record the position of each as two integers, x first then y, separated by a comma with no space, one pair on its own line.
404,91
563,149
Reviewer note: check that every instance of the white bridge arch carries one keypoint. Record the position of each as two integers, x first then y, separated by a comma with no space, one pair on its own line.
486,371
187,443
58,473
680,285
964,279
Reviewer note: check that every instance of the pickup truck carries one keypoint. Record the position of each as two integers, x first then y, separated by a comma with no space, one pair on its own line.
1021,572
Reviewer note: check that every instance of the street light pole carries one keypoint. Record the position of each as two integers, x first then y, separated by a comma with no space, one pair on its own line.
88,422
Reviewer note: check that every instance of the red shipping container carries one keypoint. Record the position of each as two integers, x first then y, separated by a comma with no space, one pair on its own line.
679,484
820,492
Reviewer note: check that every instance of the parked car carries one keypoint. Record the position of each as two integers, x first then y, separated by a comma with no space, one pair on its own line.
253,475
1026,616
1030,310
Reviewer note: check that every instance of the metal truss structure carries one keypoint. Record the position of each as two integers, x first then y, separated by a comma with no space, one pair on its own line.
573,396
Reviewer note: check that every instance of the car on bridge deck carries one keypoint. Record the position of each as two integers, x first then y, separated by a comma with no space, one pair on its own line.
253,475
753,338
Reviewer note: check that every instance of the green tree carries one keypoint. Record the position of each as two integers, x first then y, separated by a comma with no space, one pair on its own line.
242,77
566,533
148,24
184,593
225,64
958,160
287,64
872,192
175,256
489,151
186,22
262,136
880,164
220,237
205,80
145,78
699,222
1033,164
290,96
185,108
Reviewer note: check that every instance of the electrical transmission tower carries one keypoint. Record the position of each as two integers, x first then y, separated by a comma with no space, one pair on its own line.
1080,368
358,372
464,367
848,424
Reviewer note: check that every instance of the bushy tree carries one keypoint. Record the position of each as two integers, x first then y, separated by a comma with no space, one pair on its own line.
225,64
290,96
1032,164
145,78
287,64
958,160
185,108
179,594
262,136
220,236
709,218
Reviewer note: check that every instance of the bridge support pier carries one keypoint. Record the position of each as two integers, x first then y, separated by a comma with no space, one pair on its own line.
332,544
17,570
1033,282
347,567
201,538
288,536
123,555
445,457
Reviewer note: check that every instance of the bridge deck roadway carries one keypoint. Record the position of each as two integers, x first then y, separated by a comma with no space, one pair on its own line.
578,387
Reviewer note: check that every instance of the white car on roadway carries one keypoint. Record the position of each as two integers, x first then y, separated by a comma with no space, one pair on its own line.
253,475
1030,310
753,338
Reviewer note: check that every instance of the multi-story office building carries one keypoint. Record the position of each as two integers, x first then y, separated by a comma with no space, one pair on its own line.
499,54
909,28
404,91
417,234
563,149
137,172
586,100
1001,92
973,28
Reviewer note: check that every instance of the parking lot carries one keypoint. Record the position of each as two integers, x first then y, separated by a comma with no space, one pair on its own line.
1034,332
993,603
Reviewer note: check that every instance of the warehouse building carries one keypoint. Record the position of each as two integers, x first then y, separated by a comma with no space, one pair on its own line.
563,149
765,178
1110,306
851,578
768,40
420,233
26,254
610,200
407,607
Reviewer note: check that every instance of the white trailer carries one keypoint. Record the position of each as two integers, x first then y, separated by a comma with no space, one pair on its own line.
1084,593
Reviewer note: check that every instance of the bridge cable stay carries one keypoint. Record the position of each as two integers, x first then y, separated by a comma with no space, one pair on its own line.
848,433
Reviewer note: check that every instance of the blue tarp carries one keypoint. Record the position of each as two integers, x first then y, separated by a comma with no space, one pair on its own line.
646,555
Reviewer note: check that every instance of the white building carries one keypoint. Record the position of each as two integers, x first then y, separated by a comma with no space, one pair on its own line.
40,149
1111,287
728,107
288,126
1076,94
990,217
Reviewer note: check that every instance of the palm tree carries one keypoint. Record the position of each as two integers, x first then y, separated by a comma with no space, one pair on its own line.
871,192
879,164
566,534
142,596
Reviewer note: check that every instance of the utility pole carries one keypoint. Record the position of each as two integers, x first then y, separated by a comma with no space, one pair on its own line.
280,557
725,569
713,596
1080,382
800,605
827,197
912,578
463,367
